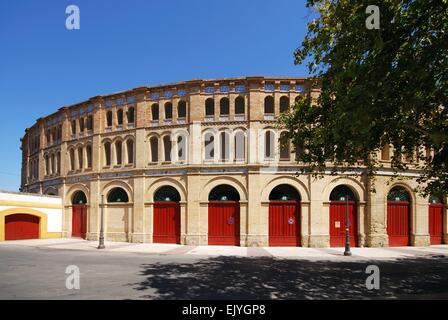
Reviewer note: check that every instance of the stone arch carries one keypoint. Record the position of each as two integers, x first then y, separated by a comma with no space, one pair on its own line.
297,184
43,221
75,188
118,183
156,185
404,186
52,191
356,186
223,180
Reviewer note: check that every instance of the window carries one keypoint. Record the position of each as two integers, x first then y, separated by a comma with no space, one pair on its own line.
59,162
89,156
109,119
240,146
181,148
53,164
117,195
47,165
269,145
120,117
224,146
155,111
168,110
167,147
239,105
269,105
118,152
284,148
209,146
209,107
154,142
131,115
130,149
73,126
284,104
182,109
107,153
72,159
80,158
81,124
89,123
224,107
385,153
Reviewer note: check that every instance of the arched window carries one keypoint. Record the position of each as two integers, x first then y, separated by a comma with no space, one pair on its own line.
131,115
269,145
284,192
81,124
89,123
72,159
342,193
181,147
209,107
154,142
107,153
73,126
130,149
47,165
224,107
109,119
168,110
284,104
284,148
398,194
117,195
385,153
435,199
240,106
224,192
269,105
167,148
59,162
118,152
89,156
167,194
120,117
224,146
79,198
182,109
240,146
53,164
80,158
209,146
155,111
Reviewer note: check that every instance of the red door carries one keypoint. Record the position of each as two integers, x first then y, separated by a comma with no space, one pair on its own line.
21,227
284,223
398,224
79,221
338,215
436,223
166,222
224,223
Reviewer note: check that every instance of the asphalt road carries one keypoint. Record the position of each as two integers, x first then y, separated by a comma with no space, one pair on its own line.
35,273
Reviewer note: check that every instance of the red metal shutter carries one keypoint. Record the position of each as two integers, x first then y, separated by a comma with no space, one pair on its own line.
21,227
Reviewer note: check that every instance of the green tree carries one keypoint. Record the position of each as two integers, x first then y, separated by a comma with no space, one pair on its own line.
385,86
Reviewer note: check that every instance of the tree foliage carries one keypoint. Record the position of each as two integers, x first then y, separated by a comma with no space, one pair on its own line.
385,86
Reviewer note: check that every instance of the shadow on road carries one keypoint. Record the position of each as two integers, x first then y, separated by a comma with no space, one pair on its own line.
269,278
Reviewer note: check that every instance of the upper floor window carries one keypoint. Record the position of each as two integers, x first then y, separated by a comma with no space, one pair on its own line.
89,123
168,110
72,159
269,145
224,107
182,109
385,153
118,152
131,115
240,105
284,148
167,148
209,107
109,119
120,117
155,111
284,104
269,105
81,124
107,153
89,156
154,142
130,150
209,146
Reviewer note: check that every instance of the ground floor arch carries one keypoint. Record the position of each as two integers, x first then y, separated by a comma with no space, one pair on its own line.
166,220
343,206
224,216
399,217
21,226
284,216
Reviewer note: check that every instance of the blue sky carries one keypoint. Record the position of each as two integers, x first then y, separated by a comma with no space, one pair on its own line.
127,44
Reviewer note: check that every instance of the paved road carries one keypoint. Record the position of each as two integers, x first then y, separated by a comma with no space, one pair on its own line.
39,273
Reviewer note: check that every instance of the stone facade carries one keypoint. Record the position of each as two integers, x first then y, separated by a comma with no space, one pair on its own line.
94,147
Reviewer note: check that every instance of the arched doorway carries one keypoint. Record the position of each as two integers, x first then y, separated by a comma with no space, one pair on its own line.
166,215
79,215
398,217
342,199
284,216
224,216
21,227
435,219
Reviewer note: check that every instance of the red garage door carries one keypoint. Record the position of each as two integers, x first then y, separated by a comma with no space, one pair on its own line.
338,219
79,221
166,222
21,227
224,223
436,223
398,223
284,223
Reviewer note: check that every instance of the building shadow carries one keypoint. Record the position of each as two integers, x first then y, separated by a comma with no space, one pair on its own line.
232,278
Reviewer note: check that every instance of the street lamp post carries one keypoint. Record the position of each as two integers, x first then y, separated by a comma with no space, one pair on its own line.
101,244
347,251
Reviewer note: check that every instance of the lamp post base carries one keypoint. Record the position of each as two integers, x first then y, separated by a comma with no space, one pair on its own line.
347,253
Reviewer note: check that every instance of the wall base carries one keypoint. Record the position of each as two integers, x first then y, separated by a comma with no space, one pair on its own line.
319,241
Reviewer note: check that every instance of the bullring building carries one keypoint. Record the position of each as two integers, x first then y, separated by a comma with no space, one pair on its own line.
199,163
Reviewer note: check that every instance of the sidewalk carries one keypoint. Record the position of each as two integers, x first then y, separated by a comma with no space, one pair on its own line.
277,252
